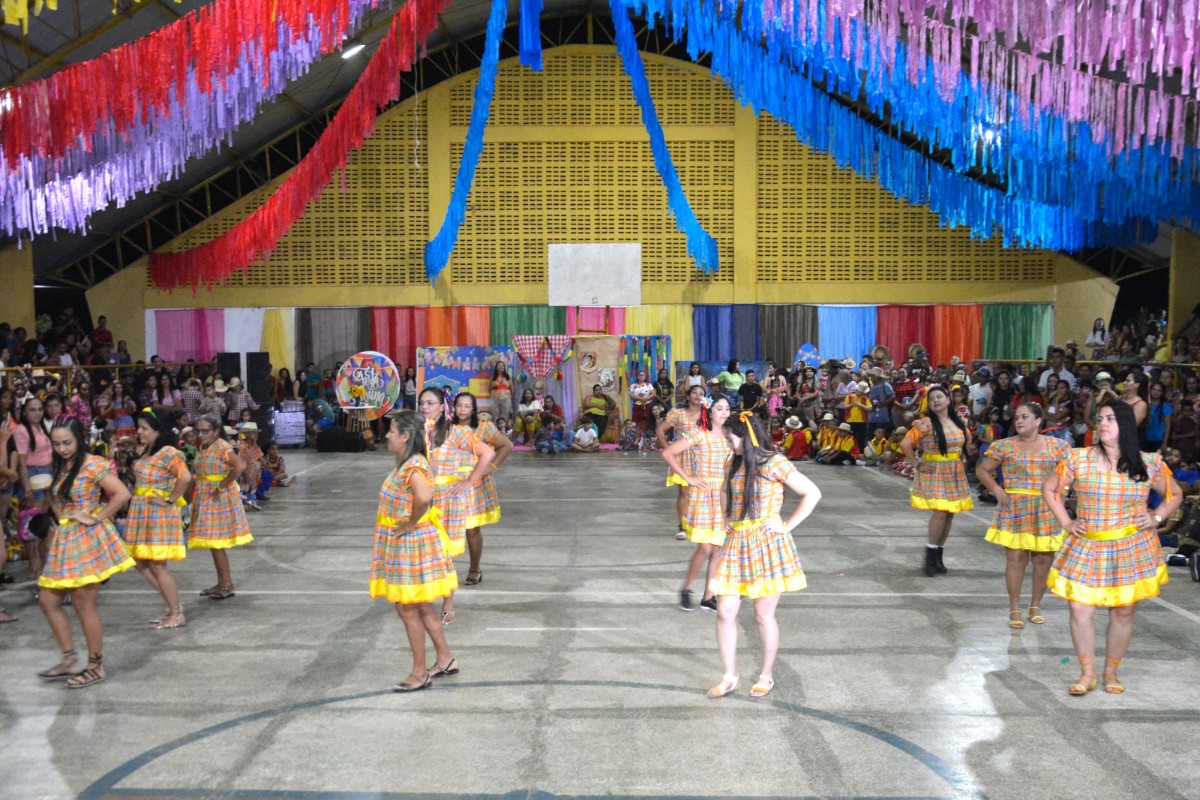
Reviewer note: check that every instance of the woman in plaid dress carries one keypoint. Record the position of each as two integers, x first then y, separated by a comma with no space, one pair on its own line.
409,563
703,519
483,503
459,462
682,420
154,528
759,558
218,519
1024,524
1111,556
940,481
84,551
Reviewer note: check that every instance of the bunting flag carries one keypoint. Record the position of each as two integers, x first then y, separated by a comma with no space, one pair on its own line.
255,236
103,130
437,252
702,247
541,355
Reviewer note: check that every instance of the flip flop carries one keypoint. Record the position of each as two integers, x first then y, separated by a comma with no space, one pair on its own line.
6,617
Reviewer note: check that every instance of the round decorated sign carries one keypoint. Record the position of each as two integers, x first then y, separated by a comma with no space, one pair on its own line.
368,383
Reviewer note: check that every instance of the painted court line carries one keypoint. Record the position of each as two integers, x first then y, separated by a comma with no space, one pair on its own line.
558,629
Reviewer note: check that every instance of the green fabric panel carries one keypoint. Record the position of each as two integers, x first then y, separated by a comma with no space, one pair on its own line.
508,321
1017,330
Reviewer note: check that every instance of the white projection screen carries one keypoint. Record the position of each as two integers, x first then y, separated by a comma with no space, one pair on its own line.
595,274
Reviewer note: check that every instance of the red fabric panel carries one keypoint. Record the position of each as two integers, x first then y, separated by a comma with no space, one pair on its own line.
398,331
958,331
900,326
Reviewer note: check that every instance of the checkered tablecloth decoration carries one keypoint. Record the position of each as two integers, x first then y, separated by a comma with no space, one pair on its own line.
541,354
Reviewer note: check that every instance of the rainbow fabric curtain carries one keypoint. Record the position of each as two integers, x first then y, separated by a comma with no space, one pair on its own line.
899,327
398,331
1017,330
458,326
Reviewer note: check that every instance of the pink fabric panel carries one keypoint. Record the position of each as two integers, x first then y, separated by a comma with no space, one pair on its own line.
591,320
398,331
196,333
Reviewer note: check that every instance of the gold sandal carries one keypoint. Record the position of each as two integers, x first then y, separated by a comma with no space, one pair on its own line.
1087,678
1112,684
763,686
728,685
1035,615
1014,620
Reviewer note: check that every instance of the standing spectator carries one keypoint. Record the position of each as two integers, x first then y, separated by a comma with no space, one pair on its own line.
410,393
1054,366
312,382
980,392
881,397
191,398
101,335
123,357
751,393
501,390
1157,431
1097,339
214,399
237,399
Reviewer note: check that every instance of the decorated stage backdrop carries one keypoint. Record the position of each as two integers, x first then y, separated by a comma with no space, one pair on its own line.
710,369
598,361
462,368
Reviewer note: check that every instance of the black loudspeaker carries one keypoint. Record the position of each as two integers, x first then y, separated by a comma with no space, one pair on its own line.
258,377
337,440
229,365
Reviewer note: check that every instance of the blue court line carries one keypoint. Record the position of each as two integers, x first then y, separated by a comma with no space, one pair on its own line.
528,794
960,784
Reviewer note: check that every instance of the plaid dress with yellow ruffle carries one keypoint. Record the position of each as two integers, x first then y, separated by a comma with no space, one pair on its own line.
410,567
83,554
1027,523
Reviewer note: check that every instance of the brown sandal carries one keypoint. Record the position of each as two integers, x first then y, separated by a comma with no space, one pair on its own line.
405,686
173,620
91,675
64,669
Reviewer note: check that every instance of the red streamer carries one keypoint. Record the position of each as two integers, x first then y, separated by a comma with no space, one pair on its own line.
253,238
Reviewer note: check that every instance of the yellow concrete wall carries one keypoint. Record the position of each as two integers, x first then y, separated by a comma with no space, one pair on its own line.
121,299
1185,278
1082,295
16,276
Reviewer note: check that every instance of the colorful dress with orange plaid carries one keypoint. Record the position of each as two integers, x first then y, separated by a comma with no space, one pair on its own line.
409,567
453,462
83,554
1113,564
678,419
483,502
218,519
703,516
154,532
756,562
944,487
252,456
1027,523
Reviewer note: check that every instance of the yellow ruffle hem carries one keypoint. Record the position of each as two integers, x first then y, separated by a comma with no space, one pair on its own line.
219,544
941,504
486,518
75,583
157,552
1025,541
1107,596
703,535
675,480
419,593
792,583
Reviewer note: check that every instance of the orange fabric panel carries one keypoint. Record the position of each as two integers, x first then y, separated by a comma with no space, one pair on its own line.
957,331
447,326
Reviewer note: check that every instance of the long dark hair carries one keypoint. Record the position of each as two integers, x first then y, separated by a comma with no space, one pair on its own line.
749,461
441,426
69,469
28,426
1130,459
1142,381
496,369
936,421
166,434
412,423
474,421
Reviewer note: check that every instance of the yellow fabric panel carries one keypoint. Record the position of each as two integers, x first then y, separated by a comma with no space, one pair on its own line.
278,337
670,320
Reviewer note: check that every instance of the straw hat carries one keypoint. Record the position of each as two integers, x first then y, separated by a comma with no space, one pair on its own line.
845,426
793,423
234,383
863,387
249,427
901,430
40,483
230,431
876,372
185,431
828,417
849,363
220,386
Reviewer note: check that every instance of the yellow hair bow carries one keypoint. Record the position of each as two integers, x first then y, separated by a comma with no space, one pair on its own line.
746,417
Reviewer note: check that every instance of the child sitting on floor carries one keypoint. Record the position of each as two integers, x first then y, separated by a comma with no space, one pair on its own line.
543,440
278,467
630,437
797,444
587,440
878,449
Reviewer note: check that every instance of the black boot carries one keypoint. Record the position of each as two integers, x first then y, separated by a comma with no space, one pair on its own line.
938,566
930,562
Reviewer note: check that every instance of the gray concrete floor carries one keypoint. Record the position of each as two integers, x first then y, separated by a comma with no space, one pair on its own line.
580,676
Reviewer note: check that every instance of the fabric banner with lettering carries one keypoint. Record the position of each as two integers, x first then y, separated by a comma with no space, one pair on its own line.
458,369
598,361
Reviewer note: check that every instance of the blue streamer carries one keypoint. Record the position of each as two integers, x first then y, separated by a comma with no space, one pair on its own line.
530,34
437,252
702,247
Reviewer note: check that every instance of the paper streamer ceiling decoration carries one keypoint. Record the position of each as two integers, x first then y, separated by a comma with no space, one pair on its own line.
1059,123
253,237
